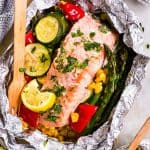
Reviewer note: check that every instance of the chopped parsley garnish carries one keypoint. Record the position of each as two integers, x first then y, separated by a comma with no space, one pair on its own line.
142,28
83,64
104,29
43,58
57,108
58,89
33,49
76,34
53,78
52,118
59,67
147,46
68,68
76,43
32,69
71,60
22,69
88,46
92,34
62,50
45,142
61,59
71,64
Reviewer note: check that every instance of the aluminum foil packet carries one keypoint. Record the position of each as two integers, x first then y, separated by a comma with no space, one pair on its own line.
12,136
146,2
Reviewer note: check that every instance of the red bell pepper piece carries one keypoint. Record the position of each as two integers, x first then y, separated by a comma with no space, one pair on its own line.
29,116
86,112
72,12
27,78
30,38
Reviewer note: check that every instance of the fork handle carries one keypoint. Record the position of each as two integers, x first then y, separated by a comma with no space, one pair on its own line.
140,135
19,38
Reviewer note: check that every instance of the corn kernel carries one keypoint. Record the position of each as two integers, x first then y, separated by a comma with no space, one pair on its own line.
61,138
44,130
74,117
98,87
103,77
24,125
106,71
98,79
91,86
56,133
64,132
63,2
99,72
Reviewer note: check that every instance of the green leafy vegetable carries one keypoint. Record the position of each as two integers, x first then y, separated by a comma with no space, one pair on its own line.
147,46
83,64
71,64
52,118
22,69
32,69
43,58
92,34
33,49
76,43
58,90
104,29
88,46
57,108
77,34
116,69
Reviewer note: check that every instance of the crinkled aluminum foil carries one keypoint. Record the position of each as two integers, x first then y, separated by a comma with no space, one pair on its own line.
11,134
146,2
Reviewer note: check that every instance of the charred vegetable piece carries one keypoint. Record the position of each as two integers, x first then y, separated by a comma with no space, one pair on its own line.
85,112
116,66
29,116
48,30
37,60
72,12
30,38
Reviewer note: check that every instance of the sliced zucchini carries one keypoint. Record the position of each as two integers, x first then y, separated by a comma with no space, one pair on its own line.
63,21
48,30
89,94
64,24
37,60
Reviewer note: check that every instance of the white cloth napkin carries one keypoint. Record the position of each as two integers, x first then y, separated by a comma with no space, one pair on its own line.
6,16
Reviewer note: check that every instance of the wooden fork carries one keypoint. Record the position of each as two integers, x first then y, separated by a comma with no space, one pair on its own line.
146,127
19,48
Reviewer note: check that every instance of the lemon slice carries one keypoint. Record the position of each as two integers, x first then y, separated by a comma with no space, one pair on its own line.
36,100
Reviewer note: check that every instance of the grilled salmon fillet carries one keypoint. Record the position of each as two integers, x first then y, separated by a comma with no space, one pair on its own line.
79,57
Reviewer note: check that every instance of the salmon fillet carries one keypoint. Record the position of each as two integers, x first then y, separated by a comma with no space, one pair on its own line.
78,59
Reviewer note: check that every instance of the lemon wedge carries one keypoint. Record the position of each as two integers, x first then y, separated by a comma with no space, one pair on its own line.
36,100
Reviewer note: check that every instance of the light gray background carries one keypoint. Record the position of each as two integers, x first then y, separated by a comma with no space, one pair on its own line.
141,109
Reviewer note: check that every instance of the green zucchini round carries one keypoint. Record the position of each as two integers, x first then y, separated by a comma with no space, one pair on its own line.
37,59
62,20
48,30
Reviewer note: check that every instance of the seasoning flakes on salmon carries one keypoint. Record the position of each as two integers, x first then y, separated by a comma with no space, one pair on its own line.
78,59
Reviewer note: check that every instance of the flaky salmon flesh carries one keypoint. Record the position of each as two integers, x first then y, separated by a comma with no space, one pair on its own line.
79,57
